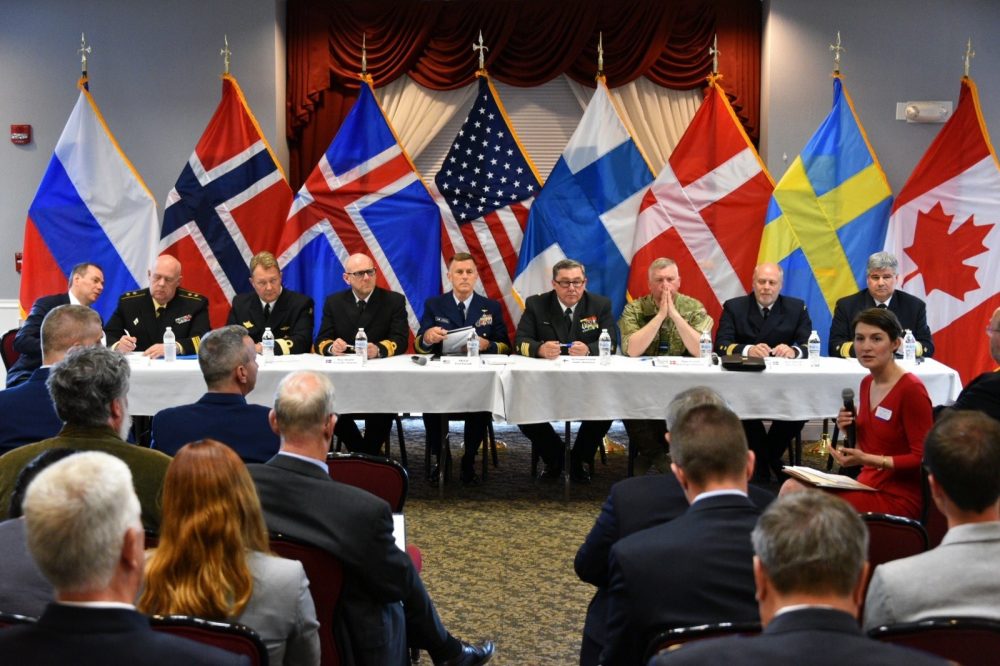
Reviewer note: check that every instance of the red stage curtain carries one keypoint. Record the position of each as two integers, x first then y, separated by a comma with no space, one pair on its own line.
530,42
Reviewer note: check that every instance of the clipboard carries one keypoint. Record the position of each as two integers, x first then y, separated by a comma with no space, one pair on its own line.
455,343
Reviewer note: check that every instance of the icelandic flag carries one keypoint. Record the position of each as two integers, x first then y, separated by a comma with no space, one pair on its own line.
587,209
91,206
364,197
229,203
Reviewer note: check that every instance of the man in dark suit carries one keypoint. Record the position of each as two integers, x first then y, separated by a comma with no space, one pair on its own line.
28,413
143,315
883,273
384,605
86,282
695,569
983,392
565,321
229,365
459,308
762,324
82,521
288,314
809,571
633,505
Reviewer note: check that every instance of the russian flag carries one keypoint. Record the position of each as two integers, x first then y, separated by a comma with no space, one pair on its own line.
90,206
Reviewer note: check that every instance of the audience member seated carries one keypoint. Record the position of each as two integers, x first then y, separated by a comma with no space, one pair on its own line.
958,578
809,568
82,522
983,392
23,588
228,363
90,390
893,417
28,413
212,559
633,505
384,605
695,569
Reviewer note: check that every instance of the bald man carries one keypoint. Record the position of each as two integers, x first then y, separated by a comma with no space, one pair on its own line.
143,315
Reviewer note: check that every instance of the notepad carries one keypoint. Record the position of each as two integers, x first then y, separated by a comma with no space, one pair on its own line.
819,479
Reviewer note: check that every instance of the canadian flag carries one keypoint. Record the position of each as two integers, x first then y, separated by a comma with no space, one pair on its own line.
706,208
943,230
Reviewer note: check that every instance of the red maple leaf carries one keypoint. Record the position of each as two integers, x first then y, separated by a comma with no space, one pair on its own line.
940,256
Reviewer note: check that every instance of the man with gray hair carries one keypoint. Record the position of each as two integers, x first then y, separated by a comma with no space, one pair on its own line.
384,605
881,292
635,504
228,362
83,531
90,390
28,413
809,569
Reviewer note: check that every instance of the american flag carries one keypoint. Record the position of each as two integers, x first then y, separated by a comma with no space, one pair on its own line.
487,182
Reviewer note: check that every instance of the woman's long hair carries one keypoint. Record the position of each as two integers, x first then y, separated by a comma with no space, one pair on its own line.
211,520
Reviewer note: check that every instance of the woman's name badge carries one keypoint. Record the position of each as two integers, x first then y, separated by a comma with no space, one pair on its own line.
883,413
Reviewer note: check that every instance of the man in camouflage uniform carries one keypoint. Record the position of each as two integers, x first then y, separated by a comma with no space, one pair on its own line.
662,323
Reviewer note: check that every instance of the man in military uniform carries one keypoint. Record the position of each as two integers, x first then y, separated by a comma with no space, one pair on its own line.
142,316
459,308
665,322
288,314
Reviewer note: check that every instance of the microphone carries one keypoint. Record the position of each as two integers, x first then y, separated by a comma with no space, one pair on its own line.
850,431
422,360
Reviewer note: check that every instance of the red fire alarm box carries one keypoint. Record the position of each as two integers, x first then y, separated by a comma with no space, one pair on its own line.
20,134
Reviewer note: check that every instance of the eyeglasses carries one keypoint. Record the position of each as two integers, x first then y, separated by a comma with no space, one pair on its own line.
566,284
368,272
991,331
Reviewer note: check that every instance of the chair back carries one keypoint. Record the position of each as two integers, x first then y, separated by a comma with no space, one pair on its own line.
969,641
236,638
7,351
11,619
671,639
931,518
380,476
891,538
326,579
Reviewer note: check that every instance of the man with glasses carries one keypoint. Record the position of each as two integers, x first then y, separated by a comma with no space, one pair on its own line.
881,292
566,321
382,314
143,315
287,313
983,392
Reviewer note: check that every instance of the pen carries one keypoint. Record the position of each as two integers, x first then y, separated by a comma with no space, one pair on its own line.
566,345
127,333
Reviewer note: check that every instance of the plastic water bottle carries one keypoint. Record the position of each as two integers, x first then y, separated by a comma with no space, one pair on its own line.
361,345
813,347
909,347
705,347
267,345
169,346
472,345
604,347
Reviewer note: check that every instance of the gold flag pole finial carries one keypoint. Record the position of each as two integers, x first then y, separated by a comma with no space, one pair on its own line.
83,51
364,55
837,50
600,55
226,54
714,52
969,55
482,52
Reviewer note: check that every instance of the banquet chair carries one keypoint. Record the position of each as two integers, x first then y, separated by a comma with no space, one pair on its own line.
326,578
11,619
236,638
970,641
489,450
891,538
381,477
671,639
7,351
931,518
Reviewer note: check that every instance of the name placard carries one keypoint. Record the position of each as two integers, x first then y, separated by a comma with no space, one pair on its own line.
344,360
461,360
679,361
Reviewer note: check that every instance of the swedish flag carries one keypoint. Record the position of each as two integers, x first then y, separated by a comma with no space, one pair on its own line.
828,213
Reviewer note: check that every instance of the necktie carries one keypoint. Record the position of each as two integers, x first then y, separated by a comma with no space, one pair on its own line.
361,307
569,319
461,308
267,311
766,312
882,306
159,310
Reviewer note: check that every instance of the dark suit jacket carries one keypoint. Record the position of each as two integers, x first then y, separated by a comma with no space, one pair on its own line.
186,314
28,341
543,320
911,311
982,394
483,313
695,569
300,500
223,416
28,413
815,636
102,637
384,321
291,320
741,324
633,505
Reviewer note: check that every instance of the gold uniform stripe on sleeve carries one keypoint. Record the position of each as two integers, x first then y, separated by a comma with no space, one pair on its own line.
180,349
502,348
525,349
845,349
323,347
920,349
731,349
285,344
390,347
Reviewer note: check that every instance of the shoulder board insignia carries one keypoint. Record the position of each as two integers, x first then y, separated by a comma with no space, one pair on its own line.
134,294
190,294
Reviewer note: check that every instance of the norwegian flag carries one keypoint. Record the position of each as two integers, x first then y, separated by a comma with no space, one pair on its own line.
485,188
706,208
944,232
364,197
229,203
